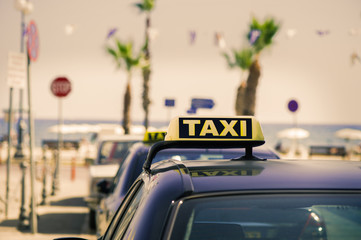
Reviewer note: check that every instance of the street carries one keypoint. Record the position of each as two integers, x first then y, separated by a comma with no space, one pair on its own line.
64,214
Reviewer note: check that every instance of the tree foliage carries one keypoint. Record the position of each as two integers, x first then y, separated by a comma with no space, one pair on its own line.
145,5
125,58
260,35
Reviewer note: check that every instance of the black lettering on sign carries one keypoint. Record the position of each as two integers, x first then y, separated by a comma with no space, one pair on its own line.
156,136
215,128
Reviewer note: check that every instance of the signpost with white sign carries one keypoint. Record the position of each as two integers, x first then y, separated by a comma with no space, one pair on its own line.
17,71
16,77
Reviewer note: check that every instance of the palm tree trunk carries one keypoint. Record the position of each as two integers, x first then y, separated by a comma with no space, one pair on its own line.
127,103
240,98
146,74
250,92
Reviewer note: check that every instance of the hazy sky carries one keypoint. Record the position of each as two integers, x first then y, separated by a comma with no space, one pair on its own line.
312,68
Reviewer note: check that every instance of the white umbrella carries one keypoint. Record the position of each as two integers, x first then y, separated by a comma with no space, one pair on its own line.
73,128
349,134
293,133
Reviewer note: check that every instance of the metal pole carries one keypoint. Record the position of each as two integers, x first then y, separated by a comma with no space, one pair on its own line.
57,157
19,148
297,151
44,202
33,215
54,185
23,219
9,152
60,140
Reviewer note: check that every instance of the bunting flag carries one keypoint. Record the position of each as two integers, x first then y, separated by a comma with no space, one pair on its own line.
254,35
111,32
192,37
69,29
355,58
152,33
354,31
219,40
291,33
322,33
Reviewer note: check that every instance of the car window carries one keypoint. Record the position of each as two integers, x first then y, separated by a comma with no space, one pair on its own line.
121,149
125,212
296,216
114,152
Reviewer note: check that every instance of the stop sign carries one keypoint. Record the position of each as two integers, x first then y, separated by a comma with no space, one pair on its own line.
60,87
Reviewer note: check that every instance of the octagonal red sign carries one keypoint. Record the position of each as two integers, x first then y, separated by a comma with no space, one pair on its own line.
60,87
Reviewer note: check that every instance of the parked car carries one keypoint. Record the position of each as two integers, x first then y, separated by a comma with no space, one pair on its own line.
112,150
114,192
246,197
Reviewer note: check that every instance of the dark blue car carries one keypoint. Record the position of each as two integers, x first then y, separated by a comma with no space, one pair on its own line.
133,166
243,197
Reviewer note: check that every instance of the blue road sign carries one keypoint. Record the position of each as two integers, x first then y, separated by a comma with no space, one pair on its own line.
169,103
192,111
292,105
202,103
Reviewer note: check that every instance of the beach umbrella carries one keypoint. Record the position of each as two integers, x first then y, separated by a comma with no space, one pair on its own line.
293,133
349,134
73,128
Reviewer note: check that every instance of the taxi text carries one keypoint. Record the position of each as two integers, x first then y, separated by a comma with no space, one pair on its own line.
215,128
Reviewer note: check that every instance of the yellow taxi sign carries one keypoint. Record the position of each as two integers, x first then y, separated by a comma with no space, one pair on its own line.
154,136
239,128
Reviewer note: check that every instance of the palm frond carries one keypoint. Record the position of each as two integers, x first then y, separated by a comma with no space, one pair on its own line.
140,6
145,6
244,58
267,30
229,61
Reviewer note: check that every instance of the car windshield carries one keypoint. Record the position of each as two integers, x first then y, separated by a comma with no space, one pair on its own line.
277,216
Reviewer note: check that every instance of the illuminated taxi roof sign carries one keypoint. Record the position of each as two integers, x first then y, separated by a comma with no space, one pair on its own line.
154,136
242,128
211,132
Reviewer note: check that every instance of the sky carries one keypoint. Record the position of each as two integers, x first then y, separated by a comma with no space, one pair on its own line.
314,69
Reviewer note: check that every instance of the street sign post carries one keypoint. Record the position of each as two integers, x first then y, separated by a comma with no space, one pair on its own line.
293,105
169,103
33,41
60,87
17,70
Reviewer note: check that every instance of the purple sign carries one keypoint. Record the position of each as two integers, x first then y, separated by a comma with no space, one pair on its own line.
292,105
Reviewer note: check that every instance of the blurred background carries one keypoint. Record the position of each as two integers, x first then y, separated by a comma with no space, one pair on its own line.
314,59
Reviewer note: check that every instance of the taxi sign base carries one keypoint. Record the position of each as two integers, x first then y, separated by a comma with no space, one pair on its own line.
157,147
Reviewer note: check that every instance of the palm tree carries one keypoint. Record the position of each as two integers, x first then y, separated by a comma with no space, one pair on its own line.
260,36
242,59
123,56
146,6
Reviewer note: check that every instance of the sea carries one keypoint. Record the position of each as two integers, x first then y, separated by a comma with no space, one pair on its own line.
320,134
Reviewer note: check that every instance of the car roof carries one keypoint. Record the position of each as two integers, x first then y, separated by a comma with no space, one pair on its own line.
260,152
231,175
